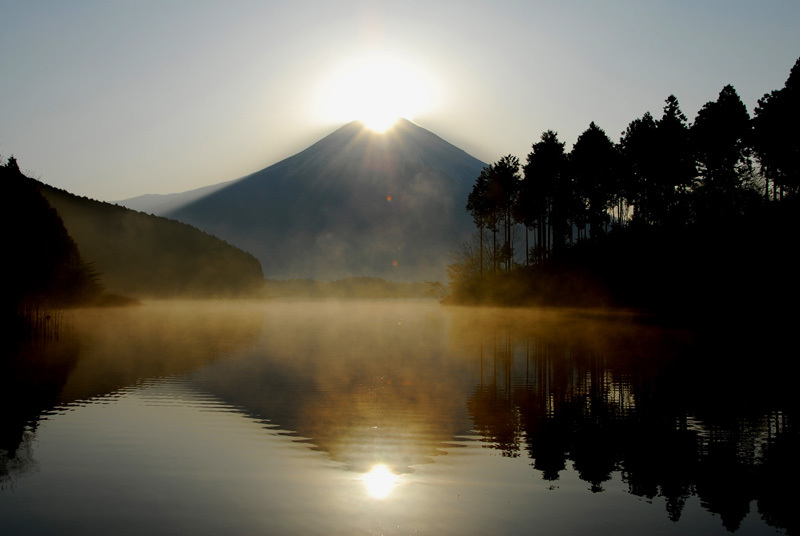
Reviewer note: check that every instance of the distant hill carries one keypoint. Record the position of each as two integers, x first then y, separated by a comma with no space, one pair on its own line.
355,203
141,255
160,204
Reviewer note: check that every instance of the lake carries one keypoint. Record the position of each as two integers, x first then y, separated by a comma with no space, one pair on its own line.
393,417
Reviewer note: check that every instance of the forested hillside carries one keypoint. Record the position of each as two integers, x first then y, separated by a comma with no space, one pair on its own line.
142,255
42,266
62,249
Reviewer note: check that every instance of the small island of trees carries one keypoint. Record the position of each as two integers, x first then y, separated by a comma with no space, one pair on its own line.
673,216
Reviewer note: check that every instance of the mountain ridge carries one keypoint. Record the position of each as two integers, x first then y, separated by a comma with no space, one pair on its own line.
160,204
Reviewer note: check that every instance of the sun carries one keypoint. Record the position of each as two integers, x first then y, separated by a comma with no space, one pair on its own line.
377,90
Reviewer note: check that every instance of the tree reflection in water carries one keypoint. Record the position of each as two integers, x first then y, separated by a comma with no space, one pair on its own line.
673,415
713,421
102,351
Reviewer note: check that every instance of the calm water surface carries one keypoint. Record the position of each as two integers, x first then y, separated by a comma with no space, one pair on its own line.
392,417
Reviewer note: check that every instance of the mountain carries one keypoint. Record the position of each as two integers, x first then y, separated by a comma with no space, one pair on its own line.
142,255
355,203
160,204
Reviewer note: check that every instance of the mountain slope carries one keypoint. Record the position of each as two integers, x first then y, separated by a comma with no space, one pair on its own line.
143,255
160,204
355,203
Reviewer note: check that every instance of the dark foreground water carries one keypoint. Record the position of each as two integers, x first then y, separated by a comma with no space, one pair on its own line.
393,417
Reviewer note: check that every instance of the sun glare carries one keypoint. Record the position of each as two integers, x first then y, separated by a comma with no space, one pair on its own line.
377,90
380,481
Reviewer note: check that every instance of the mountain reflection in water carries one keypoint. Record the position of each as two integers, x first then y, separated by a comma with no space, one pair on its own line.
669,416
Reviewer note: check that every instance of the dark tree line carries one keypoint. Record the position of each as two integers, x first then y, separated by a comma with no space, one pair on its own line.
662,172
665,175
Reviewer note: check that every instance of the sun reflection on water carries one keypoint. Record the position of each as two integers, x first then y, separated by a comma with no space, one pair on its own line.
380,481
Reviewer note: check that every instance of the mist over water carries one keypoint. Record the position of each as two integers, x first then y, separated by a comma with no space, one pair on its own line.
389,416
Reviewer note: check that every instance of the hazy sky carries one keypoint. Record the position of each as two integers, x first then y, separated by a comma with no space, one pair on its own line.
115,99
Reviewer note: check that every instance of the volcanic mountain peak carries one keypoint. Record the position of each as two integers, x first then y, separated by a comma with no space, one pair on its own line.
354,203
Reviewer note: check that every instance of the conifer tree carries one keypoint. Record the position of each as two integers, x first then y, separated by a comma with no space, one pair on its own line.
721,135
777,137
594,164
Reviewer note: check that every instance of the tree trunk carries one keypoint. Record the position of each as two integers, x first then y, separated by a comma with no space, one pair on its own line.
527,249
494,250
481,240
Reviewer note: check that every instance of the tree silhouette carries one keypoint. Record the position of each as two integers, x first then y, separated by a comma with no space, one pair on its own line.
492,202
545,194
676,169
687,206
594,162
483,214
721,134
504,193
776,137
658,166
640,149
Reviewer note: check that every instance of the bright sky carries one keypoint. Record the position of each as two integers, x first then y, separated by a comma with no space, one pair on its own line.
113,99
